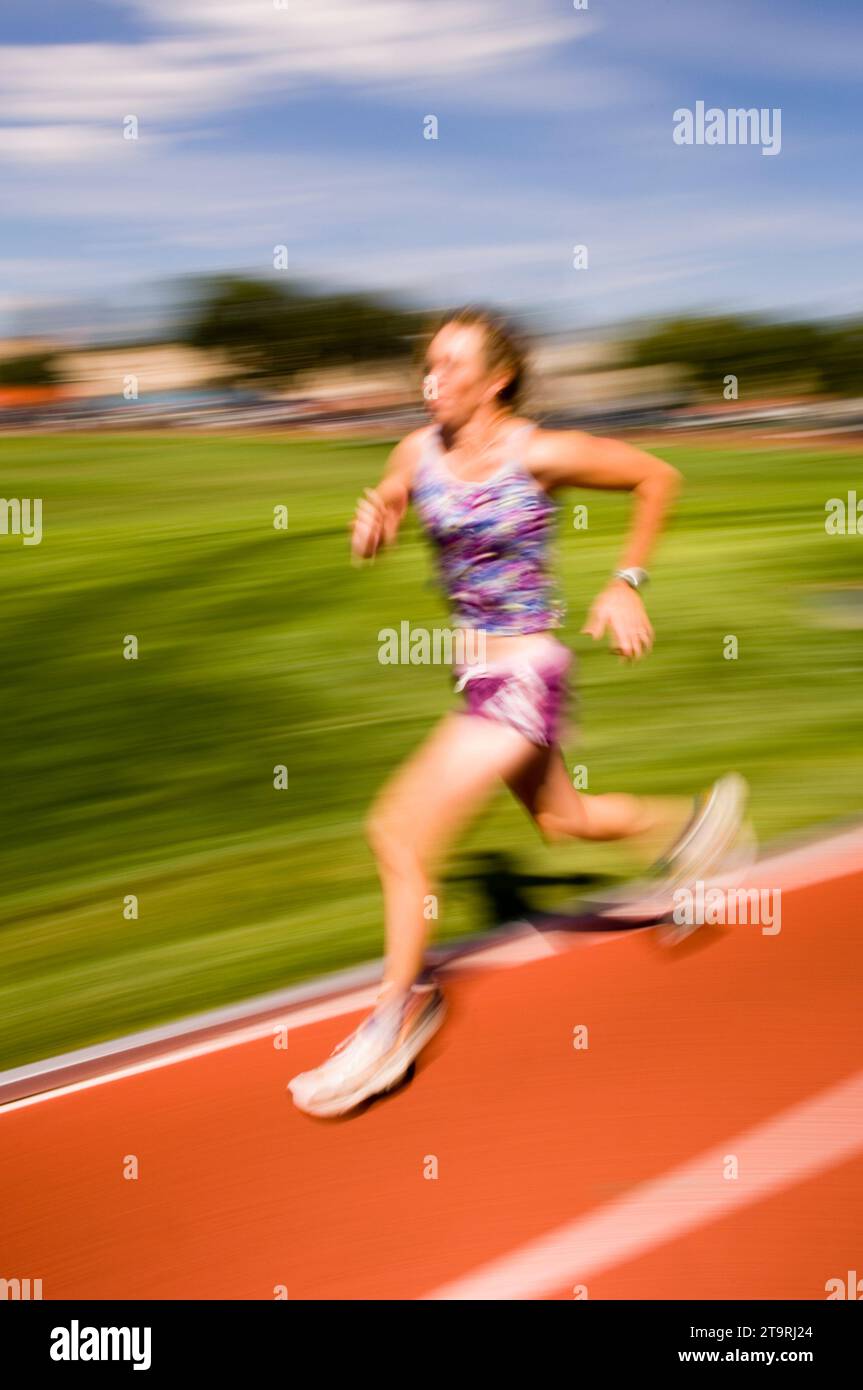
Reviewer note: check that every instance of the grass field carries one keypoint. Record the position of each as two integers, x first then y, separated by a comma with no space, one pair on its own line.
259,647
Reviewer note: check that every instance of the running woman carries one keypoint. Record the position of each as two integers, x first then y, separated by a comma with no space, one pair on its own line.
482,480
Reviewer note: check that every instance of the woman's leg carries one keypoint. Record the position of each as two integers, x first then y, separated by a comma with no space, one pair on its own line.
560,811
428,801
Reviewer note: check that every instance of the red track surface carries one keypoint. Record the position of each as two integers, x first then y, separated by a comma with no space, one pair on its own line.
239,1193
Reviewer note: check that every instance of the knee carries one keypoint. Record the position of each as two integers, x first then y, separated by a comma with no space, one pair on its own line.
388,837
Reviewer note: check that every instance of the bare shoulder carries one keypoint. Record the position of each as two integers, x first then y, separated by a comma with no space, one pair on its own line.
549,450
405,455
549,445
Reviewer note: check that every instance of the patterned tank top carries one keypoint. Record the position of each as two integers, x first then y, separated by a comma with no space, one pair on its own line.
492,540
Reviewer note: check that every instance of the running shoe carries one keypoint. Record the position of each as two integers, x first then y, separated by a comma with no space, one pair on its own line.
716,840
713,830
372,1059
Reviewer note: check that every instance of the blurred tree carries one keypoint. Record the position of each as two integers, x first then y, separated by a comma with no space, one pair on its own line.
762,354
31,369
841,360
271,332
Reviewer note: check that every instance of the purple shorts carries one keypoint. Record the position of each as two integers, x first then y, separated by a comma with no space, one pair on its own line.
529,693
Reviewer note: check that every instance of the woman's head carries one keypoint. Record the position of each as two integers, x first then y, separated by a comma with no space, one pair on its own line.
474,362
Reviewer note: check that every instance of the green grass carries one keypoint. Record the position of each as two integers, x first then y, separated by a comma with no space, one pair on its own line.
259,647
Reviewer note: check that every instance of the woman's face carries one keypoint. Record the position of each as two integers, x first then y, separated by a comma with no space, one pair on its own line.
457,381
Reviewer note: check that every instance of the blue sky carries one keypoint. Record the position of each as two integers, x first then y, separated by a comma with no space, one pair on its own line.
303,125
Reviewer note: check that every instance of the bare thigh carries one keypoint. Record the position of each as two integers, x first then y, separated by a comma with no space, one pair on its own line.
545,790
441,788
561,812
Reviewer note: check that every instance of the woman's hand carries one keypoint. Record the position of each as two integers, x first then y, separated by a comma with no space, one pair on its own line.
368,525
375,523
620,611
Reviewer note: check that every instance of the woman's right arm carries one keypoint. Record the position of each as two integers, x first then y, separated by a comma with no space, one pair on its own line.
381,510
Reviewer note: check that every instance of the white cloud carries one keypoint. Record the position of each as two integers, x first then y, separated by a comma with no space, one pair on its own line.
213,55
59,144
178,199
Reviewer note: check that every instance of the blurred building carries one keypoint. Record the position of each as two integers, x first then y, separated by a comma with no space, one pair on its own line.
157,367
580,375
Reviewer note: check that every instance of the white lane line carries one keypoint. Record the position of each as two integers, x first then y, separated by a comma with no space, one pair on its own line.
522,949
531,943
508,955
792,869
816,1134
244,1013
362,999
809,864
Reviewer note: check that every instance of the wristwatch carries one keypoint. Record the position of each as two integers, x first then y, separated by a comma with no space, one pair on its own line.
636,578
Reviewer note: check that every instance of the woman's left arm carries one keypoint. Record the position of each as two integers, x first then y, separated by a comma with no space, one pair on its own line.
568,458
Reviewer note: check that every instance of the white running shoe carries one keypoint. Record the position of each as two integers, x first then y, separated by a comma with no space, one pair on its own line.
713,831
373,1058
717,839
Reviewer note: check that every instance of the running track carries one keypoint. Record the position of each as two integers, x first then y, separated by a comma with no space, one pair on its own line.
556,1167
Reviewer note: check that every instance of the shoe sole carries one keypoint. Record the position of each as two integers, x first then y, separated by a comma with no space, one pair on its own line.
385,1079
727,800
650,901
729,875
